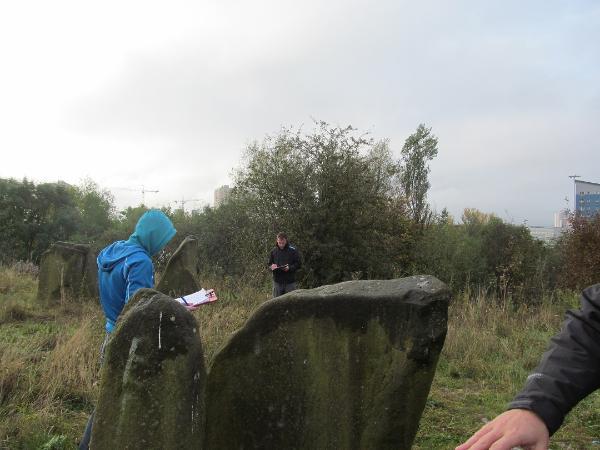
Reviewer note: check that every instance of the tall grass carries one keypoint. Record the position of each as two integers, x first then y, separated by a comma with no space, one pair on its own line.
491,346
48,362
46,379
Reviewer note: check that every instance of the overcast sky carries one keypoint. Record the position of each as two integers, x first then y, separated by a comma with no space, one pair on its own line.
166,95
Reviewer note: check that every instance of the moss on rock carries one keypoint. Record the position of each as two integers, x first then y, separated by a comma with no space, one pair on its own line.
153,379
342,366
67,270
179,277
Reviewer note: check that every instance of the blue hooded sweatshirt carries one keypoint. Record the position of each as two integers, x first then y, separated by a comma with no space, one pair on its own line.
126,266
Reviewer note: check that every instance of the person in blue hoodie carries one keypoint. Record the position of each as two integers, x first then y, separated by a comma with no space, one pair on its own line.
126,266
123,268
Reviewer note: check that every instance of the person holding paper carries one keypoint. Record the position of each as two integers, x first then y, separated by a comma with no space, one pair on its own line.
284,261
123,268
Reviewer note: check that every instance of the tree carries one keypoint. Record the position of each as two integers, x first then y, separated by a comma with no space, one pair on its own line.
33,217
419,148
580,251
487,254
97,210
333,191
515,260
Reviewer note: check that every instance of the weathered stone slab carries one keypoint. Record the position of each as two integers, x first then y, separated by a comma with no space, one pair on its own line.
346,366
67,270
179,277
152,380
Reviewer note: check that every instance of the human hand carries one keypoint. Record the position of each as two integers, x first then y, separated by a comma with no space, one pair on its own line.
273,266
286,268
510,429
192,307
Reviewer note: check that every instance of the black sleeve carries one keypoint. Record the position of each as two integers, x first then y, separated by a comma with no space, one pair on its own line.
271,259
570,368
295,264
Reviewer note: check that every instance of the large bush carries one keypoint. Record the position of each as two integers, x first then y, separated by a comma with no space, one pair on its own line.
485,254
333,191
580,250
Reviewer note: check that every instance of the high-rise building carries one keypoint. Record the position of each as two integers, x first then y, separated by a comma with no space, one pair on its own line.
221,194
587,198
561,219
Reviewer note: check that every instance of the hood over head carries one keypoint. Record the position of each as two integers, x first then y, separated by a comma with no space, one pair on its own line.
153,231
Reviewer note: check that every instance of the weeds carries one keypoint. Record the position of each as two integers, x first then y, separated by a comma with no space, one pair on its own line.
490,348
48,362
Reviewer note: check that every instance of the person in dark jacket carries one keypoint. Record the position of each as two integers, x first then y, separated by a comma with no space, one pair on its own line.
284,261
123,268
568,372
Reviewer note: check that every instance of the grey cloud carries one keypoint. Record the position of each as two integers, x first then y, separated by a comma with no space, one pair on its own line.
510,88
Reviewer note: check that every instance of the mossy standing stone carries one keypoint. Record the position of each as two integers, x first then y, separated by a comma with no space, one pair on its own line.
179,277
152,380
67,270
346,366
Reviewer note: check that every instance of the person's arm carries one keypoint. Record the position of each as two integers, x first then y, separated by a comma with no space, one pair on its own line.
295,263
271,263
568,371
139,273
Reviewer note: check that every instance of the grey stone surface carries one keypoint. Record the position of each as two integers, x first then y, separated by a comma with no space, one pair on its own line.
67,270
346,366
152,380
179,277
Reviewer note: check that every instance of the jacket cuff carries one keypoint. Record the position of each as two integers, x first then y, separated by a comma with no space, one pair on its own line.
544,409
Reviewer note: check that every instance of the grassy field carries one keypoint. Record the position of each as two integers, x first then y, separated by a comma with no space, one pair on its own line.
48,364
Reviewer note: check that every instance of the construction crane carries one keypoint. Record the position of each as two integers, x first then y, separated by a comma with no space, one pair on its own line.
143,190
183,201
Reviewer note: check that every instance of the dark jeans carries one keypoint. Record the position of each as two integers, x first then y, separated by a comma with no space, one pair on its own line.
87,434
282,288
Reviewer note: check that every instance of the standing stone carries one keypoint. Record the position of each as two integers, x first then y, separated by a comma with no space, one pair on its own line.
179,277
346,366
67,270
152,380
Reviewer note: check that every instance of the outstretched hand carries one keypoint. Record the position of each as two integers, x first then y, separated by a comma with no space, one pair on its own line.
517,427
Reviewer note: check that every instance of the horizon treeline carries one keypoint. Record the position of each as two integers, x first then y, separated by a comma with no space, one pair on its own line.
351,208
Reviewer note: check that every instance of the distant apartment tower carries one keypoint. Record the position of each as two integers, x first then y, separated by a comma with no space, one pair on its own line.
561,219
222,194
587,198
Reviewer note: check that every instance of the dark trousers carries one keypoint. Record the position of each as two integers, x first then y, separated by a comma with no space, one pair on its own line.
282,288
87,434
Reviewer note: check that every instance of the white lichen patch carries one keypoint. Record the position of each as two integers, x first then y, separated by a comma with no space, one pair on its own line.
159,325
130,358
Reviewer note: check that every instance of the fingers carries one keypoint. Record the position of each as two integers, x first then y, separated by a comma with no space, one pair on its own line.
510,429
473,439
489,441
506,443
511,441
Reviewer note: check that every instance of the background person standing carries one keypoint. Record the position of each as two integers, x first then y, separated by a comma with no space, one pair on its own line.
284,261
